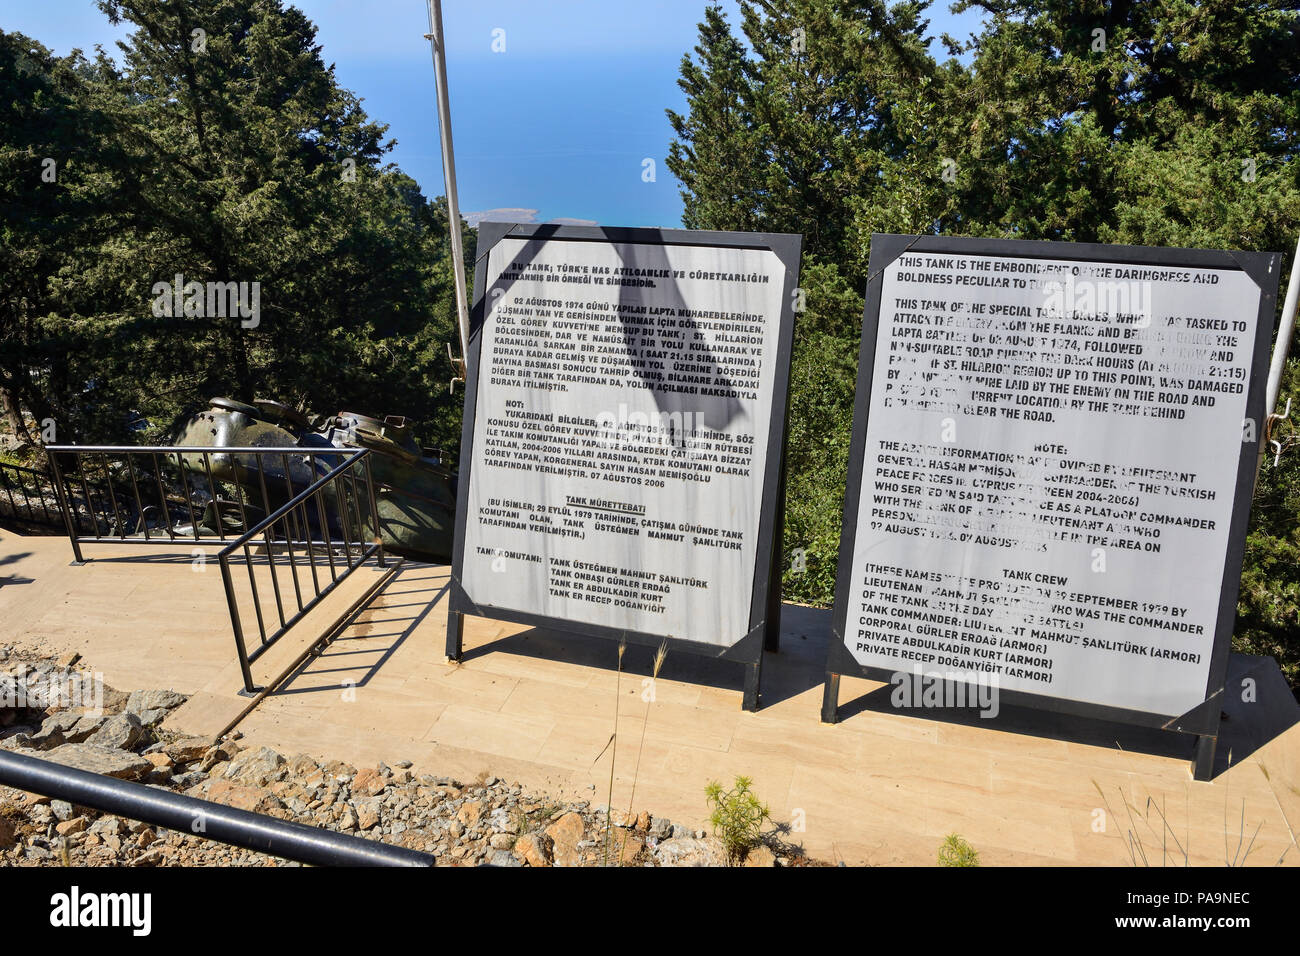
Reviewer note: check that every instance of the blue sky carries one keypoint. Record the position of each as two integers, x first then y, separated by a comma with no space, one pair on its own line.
557,125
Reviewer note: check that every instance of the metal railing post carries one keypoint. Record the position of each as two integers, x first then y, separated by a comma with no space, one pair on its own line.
374,511
66,505
235,623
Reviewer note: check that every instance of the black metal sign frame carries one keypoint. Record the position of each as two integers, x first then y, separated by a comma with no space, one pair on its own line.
764,618
1263,269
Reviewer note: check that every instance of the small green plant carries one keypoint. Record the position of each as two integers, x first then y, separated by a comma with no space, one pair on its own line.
520,819
955,851
737,817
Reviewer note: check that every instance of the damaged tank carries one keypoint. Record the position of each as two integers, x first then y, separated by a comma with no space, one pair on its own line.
415,496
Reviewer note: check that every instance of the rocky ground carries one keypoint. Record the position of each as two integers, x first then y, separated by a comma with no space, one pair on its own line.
487,821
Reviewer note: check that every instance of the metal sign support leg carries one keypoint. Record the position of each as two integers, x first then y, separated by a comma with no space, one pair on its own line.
831,698
1203,760
455,635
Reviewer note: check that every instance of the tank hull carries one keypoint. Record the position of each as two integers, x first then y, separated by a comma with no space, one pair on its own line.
415,498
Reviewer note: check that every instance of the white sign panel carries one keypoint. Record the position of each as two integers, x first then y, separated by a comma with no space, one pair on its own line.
1050,467
620,436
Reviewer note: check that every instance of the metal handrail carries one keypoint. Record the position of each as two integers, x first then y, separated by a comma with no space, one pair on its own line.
280,513
296,511
195,449
324,518
39,479
203,818
124,508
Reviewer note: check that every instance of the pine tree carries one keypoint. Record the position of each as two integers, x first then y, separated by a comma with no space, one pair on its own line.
219,147
1153,122
716,152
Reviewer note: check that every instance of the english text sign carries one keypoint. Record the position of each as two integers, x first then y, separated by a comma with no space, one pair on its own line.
1054,450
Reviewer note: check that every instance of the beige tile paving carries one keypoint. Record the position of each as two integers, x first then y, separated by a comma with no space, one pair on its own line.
879,787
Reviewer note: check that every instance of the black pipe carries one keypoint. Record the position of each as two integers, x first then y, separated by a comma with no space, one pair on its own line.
210,821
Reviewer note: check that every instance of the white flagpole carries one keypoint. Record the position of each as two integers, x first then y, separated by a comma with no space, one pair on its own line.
1281,348
435,37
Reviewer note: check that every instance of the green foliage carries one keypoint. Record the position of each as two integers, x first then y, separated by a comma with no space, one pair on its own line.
828,118
244,162
823,370
737,817
1268,607
1181,129
954,851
